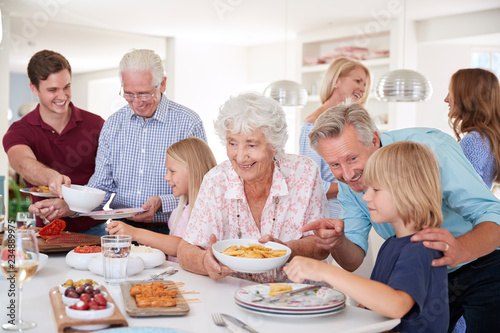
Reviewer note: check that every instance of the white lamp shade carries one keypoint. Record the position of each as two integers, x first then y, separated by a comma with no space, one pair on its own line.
403,85
287,93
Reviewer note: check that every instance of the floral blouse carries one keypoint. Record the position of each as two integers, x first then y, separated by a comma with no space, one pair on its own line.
296,198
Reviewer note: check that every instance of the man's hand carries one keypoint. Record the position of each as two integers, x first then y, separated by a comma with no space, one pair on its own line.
442,240
56,182
151,206
328,232
51,209
214,269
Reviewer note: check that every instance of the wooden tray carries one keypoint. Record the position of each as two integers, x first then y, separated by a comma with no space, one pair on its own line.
45,247
64,323
134,311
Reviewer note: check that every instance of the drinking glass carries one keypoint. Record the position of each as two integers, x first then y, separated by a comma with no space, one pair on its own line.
115,250
19,262
25,219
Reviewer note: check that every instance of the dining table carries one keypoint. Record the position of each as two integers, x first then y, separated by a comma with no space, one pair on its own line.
211,295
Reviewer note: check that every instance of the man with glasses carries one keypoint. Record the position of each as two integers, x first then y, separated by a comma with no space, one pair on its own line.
133,143
56,143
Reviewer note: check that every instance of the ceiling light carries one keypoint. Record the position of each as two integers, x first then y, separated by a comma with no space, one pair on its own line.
403,85
287,93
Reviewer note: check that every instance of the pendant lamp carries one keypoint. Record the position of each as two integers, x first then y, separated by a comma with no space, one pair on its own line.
403,85
286,92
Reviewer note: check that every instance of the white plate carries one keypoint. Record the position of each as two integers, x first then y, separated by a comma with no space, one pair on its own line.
249,265
42,261
292,315
150,259
320,299
134,265
114,213
38,194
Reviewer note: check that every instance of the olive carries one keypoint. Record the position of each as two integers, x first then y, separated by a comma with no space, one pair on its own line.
97,291
89,289
68,283
72,294
80,290
68,290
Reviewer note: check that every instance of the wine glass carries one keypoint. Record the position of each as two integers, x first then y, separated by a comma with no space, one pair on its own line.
19,262
2,212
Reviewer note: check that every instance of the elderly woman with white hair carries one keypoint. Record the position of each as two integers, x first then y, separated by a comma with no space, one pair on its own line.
260,192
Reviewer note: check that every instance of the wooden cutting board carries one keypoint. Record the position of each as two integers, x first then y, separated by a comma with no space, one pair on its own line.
45,247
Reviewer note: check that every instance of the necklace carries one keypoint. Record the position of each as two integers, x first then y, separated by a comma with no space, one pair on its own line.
276,202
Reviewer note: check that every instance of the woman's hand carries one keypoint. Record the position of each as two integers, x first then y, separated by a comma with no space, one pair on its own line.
214,269
269,238
120,228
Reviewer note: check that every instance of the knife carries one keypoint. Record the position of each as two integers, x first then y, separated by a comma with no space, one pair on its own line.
238,323
285,294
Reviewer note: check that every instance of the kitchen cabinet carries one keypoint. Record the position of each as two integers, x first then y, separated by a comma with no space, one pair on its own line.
318,49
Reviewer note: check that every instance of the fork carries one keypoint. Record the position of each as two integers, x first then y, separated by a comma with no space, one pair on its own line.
219,321
159,276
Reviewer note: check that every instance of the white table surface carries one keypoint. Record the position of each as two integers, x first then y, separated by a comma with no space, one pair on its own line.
215,296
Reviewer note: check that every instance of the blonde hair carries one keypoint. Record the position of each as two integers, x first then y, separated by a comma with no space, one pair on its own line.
476,96
410,172
339,68
195,154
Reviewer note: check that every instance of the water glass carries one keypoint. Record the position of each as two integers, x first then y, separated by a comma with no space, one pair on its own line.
115,250
25,219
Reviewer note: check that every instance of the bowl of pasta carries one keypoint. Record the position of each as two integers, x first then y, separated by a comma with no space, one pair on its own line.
250,256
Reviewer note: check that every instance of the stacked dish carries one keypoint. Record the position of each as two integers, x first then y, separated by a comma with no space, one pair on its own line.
320,301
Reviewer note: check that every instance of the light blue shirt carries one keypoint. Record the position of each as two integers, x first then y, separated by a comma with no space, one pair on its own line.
478,152
130,159
327,176
466,199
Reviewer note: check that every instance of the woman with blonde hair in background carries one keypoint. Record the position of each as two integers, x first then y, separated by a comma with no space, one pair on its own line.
345,79
187,163
474,116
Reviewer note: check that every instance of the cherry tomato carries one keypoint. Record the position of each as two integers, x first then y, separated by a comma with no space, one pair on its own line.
93,305
80,305
85,298
100,299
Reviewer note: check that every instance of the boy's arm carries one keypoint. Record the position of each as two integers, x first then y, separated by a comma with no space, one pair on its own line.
372,294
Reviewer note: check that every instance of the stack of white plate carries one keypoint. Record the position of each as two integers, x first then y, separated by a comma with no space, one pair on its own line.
320,301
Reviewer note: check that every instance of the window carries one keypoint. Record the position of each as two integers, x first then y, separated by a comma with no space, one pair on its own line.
487,60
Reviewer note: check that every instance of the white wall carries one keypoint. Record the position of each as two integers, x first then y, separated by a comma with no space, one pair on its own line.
438,62
205,76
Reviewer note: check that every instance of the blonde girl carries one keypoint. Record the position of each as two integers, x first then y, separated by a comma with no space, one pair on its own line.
187,161
403,189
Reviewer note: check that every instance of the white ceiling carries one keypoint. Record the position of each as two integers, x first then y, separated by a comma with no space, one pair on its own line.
94,34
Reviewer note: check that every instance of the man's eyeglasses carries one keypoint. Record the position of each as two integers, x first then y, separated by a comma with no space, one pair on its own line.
142,97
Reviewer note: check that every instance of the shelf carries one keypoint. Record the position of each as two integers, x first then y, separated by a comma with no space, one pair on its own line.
368,63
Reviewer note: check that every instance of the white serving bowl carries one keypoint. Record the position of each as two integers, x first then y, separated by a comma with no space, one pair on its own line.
71,301
249,265
134,265
42,261
82,199
150,259
79,260
89,315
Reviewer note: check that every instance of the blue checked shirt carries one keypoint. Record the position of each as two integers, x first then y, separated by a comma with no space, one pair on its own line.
130,159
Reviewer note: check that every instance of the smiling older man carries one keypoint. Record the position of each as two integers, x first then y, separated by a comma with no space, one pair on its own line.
133,143
345,136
